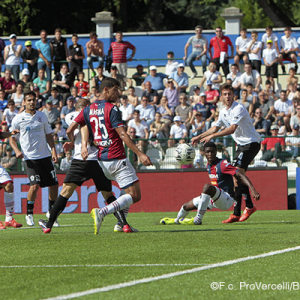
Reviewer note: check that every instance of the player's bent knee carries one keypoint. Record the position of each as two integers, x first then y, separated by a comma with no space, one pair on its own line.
209,189
134,191
68,189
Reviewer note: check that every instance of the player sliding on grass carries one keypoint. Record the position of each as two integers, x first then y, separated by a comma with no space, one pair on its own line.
106,128
219,193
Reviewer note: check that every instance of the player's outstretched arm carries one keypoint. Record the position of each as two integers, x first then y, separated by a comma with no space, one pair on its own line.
50,141
208,132
249,184
226,131
144,159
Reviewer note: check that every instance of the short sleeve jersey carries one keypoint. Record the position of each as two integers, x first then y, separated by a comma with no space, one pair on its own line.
197,44
102,118
119,50
220,174
220,44
59,51
45,50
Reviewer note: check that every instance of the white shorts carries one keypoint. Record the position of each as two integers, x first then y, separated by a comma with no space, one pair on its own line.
221,200
4,176
121,171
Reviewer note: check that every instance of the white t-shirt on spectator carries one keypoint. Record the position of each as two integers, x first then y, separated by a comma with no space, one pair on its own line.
146,113
209,76
250,78
288,43
9,115
126,111
172,67
178,131
242,43
255,56
283,106
272,37
235,80
139,128
270,55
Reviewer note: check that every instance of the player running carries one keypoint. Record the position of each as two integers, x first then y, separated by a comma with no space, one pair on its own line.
81,171
106,128
219,193
35,136
237,122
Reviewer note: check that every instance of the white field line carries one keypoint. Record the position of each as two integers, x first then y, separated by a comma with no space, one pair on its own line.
171,275
98,266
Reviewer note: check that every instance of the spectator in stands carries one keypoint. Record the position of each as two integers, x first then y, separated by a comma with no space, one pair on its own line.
252,95
150,93
195,96
27,82
2,46
12,54
266,105
92,95
10,112
40,101
244,100
3,102
96,80
59,130
178,131
254,52
270,58
220,45
293,143
18,96
292,79
199,50
212,76
30,56
83,86
59,50
171,65
165,111
269,35
274,147
212,96
119,48
94,50
260,123
51,112
158,129
67,109
181,78
126,109
44,49
295,119
8,84
74,93
172,92
119,77
66,162
291,91
56,98
132,97
241,45
156,80
282,109
9,162
250,76
147,111
198,125
75,57
184,111
139,75
42,83
269,90
3,145
59,150
235,75
63,82
288,48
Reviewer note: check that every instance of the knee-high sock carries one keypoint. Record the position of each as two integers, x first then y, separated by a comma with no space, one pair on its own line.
30,206
56,210
9,205
248,199
202,207
181,214
238,199
122,202
120,215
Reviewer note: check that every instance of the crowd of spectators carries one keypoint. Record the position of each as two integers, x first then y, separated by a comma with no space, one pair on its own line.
160,106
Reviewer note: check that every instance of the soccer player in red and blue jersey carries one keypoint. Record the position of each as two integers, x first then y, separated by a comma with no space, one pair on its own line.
219,193
105,128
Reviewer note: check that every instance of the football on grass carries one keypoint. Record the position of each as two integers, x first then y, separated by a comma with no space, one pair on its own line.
185,154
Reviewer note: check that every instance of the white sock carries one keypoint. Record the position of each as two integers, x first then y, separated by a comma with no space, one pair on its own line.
202,207
122,202
9,205
181,214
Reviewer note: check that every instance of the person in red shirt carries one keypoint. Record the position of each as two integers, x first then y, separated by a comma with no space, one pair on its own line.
273,147
82,86
119,51
212,96
220,55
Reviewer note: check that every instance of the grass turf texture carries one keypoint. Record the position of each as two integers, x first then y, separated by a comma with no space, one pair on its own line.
209,243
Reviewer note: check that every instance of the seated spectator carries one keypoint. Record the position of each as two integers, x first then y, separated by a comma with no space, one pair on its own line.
198,125
150,93
178,131
295,119
40,101
195,97
254,52
260,124
7,84
199,159
132,98
235,75
252,95
291,91
56,98
4,142
18,96
126,109
9,162
121,78
59,149
244,100
292,79
30,56
267,107
184,111
27,82
282,128
293,143
171,65
165,111
92,95
139,75
82,86
10,112
282,109
270,57
172,91
130,154
274,147
158,129
63,82
96,80
59,130
250,76
66,110
147,111
241,45
211,76
156,80
51,112
269,90
66,162
42,83
181,78
3,101
212,96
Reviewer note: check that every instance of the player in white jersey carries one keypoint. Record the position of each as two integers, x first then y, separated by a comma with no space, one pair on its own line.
7,184
35,136
81,171
237,122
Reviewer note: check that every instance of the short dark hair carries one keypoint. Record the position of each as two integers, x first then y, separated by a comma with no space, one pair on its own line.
244,29
210,145
269,27
226,86
57,30
81,103
170,53
234,65
11,102
199,27
283,91
75,34
54,89
254,32
93,33
288,28
108,82
29,94
136,111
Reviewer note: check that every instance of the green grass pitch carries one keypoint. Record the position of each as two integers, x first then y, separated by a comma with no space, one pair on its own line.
67,260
